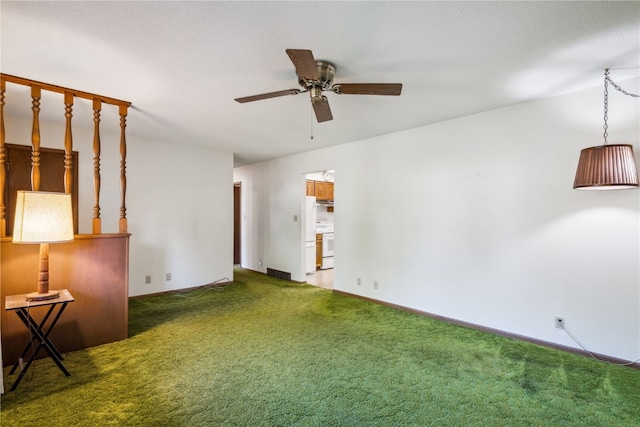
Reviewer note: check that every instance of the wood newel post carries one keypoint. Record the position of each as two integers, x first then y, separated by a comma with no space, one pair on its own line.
122,225
35,139
68,143
97,224
3,160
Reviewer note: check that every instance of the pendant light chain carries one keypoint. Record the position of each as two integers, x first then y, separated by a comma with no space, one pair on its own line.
607,80
606,104
618,88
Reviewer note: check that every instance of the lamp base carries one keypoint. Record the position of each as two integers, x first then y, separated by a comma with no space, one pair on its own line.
35,296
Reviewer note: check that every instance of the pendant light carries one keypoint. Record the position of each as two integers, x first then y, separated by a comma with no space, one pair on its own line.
607,167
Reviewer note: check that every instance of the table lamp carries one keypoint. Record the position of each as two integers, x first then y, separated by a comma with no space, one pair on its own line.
43,218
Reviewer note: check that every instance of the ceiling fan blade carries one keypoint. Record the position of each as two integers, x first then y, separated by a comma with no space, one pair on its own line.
393,89
305,64
268,95
321,108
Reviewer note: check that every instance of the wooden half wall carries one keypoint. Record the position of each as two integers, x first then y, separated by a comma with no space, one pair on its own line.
94,268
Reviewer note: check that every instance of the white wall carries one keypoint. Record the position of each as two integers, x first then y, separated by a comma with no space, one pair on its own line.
474,219
179,203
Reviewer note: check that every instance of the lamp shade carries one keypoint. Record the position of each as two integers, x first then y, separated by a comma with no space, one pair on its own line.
606,167
43,217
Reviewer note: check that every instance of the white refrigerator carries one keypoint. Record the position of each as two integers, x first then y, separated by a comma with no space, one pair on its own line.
310,235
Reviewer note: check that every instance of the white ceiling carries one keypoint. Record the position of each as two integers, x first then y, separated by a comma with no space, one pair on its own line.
182,64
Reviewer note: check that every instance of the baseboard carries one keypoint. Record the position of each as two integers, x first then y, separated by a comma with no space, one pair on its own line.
602,357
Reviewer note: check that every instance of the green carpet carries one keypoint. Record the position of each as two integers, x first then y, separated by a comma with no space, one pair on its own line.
264,352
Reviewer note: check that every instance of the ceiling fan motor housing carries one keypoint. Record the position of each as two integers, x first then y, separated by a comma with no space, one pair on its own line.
326,72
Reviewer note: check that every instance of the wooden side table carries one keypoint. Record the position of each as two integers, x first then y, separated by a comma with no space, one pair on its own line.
39,331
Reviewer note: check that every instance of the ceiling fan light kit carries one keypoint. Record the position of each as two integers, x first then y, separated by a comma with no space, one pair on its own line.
607,167
316,77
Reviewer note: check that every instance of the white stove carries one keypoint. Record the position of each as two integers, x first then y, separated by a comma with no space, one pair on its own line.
327,251
326,229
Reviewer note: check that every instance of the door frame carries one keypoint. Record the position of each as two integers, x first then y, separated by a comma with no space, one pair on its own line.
237,223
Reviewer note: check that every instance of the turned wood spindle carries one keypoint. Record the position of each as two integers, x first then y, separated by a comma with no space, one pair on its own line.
122,225
68,143
97,223
35,139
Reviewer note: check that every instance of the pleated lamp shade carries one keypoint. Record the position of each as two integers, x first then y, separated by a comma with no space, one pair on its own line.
606,167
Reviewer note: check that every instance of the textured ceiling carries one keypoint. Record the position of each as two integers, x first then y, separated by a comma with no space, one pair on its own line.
182,64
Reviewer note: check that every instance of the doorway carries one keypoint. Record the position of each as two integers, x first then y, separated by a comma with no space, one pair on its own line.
237,224
319,235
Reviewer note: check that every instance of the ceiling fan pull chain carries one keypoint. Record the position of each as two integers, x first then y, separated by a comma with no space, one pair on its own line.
311,116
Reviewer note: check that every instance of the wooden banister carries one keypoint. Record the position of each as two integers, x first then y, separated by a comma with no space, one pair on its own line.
69,95
59,89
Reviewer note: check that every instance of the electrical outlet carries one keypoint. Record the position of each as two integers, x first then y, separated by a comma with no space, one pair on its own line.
260,261
375,284
560,322
147,279
359,282
168,276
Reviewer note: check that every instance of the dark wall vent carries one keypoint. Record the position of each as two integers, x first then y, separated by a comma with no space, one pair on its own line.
278,274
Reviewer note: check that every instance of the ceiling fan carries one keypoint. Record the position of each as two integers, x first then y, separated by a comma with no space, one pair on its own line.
316,77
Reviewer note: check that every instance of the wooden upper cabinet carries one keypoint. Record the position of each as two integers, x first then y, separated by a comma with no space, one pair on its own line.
329,190
321,190
311,188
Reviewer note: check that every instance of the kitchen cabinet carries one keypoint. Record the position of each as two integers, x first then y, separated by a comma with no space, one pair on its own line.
311,188
318,251
321,190
329,190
